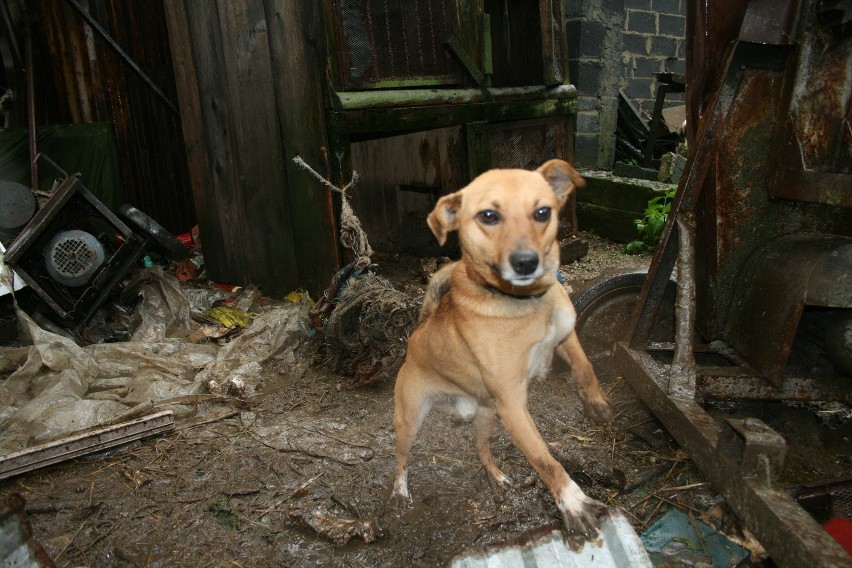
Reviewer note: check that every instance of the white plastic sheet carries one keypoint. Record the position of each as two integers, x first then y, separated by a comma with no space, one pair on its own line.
57,388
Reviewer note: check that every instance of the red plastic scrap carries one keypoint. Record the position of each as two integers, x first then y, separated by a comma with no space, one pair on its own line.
840,530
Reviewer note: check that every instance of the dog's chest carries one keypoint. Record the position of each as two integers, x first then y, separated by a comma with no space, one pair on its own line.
540,358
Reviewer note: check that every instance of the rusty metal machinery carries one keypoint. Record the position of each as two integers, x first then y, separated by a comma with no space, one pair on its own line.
75,253
759,241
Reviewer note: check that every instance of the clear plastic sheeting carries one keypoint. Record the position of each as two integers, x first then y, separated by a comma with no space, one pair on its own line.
57,388
164,310
273,339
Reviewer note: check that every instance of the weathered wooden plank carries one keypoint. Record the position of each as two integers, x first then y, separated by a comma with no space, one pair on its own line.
401,177
222,263
378,120
478,142
77,445
264,237
189,101
354,100
295,34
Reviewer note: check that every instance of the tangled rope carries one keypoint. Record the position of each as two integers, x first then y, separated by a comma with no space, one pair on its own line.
367,333
352,235
364,320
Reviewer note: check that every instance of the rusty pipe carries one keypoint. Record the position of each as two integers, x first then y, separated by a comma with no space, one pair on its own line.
31,120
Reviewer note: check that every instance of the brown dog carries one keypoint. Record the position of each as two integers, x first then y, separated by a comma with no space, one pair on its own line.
491,322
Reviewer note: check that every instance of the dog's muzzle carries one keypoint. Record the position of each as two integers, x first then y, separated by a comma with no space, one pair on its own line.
523,268
524,262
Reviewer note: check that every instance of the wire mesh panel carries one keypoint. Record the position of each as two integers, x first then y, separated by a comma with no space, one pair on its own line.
528,144
396,43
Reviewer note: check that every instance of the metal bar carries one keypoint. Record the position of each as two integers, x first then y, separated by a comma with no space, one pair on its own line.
124,55
730,383
87,443
32,134
682,376
791,536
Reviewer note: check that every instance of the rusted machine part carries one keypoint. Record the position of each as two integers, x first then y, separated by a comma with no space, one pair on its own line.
736,383
791,536
811,153
758,449
729,183
774,286
838,341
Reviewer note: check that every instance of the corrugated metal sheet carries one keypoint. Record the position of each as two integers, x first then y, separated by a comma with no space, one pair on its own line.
618,546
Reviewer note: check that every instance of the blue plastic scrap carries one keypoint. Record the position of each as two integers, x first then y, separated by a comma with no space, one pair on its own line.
674,538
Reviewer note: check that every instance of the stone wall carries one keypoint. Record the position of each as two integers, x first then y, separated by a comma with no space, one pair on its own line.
619,45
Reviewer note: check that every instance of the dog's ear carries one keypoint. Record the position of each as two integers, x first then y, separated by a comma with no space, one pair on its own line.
445,217
562,177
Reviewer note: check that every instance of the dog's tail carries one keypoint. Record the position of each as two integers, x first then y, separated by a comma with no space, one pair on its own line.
439,285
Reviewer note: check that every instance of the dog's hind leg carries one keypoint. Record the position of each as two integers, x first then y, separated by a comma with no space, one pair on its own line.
411,405
483,425
595,405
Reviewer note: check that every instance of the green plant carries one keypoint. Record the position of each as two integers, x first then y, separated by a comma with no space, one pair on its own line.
651,225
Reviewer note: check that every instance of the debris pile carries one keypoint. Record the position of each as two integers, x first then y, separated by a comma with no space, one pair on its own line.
368,331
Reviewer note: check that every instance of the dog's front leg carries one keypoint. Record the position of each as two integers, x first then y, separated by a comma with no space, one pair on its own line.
595,405
580,513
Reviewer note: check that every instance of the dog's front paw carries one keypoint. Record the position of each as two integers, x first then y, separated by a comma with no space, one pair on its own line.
400,498
597,408
584,524
581,514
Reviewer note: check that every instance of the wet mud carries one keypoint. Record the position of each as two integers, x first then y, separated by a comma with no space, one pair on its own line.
300,475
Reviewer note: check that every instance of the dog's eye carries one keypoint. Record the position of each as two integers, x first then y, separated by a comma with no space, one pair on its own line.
542,214
489,217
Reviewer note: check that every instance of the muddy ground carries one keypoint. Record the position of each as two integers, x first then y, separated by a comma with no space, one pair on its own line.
236,487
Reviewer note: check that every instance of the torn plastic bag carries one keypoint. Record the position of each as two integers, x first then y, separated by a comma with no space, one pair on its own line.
60,388
164,311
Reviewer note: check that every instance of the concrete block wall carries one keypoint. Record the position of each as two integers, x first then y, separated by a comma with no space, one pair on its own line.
619,44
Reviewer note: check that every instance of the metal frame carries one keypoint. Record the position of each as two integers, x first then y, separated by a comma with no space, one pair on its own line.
720,222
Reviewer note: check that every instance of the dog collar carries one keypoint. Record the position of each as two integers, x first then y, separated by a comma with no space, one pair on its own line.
494,290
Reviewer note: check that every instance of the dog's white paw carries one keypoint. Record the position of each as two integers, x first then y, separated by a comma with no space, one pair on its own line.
581,514
500,483
400,498
501,480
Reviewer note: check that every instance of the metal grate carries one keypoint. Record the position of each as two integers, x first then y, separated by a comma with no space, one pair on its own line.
841,502
390,43
73,256
825,500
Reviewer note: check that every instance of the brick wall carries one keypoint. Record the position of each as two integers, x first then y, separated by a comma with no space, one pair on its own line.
619,44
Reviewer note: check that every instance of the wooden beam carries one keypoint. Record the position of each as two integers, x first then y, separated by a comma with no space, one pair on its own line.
389,120
295,40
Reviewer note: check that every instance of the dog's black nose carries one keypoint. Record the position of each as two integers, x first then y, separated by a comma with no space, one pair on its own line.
524,262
